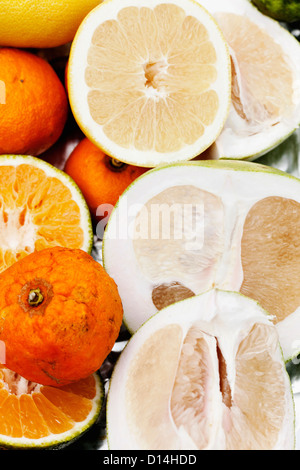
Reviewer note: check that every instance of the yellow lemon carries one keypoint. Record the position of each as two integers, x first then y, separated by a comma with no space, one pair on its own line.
41,23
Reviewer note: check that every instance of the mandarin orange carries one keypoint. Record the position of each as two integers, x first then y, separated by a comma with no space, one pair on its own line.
35,104
34,416
60,316
101,178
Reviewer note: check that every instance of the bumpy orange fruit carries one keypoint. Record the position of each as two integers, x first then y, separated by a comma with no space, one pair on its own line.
60,315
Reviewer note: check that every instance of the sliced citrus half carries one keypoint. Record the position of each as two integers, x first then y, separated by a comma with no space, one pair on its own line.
40,207
149,83
265,61
183,229
204,373
37,416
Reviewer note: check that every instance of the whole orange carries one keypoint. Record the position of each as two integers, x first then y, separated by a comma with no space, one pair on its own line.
34,105
60,316
101,179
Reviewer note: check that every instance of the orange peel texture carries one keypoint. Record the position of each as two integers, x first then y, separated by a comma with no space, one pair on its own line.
60,315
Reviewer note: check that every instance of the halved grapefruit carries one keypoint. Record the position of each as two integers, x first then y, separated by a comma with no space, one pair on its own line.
265,62
149,82
183,229
204,373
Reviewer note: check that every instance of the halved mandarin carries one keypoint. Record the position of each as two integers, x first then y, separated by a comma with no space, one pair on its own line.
40,207
37,416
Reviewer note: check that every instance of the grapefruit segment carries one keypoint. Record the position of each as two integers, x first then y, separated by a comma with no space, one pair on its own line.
266,74
155,404
271,255
265,60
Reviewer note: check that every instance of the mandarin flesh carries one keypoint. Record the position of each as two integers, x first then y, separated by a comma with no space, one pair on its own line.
60,316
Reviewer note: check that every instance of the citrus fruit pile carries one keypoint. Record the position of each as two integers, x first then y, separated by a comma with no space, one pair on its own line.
132,123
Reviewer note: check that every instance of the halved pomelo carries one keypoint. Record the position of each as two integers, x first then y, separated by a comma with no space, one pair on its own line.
204,373
37,416
265,60
182,229
149,82
40,207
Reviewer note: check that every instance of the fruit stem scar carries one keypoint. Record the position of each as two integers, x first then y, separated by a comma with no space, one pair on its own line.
35,297
114,164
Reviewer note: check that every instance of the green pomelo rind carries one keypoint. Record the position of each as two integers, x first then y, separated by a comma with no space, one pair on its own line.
281,10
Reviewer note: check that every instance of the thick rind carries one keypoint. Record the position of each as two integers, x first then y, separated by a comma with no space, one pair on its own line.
121,365
213,165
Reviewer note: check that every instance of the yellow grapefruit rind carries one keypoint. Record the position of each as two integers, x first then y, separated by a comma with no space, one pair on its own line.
114,150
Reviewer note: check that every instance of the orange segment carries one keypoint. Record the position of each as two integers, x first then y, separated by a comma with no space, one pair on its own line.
75,407
36,211
85,387
10,424
33,423
56,420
